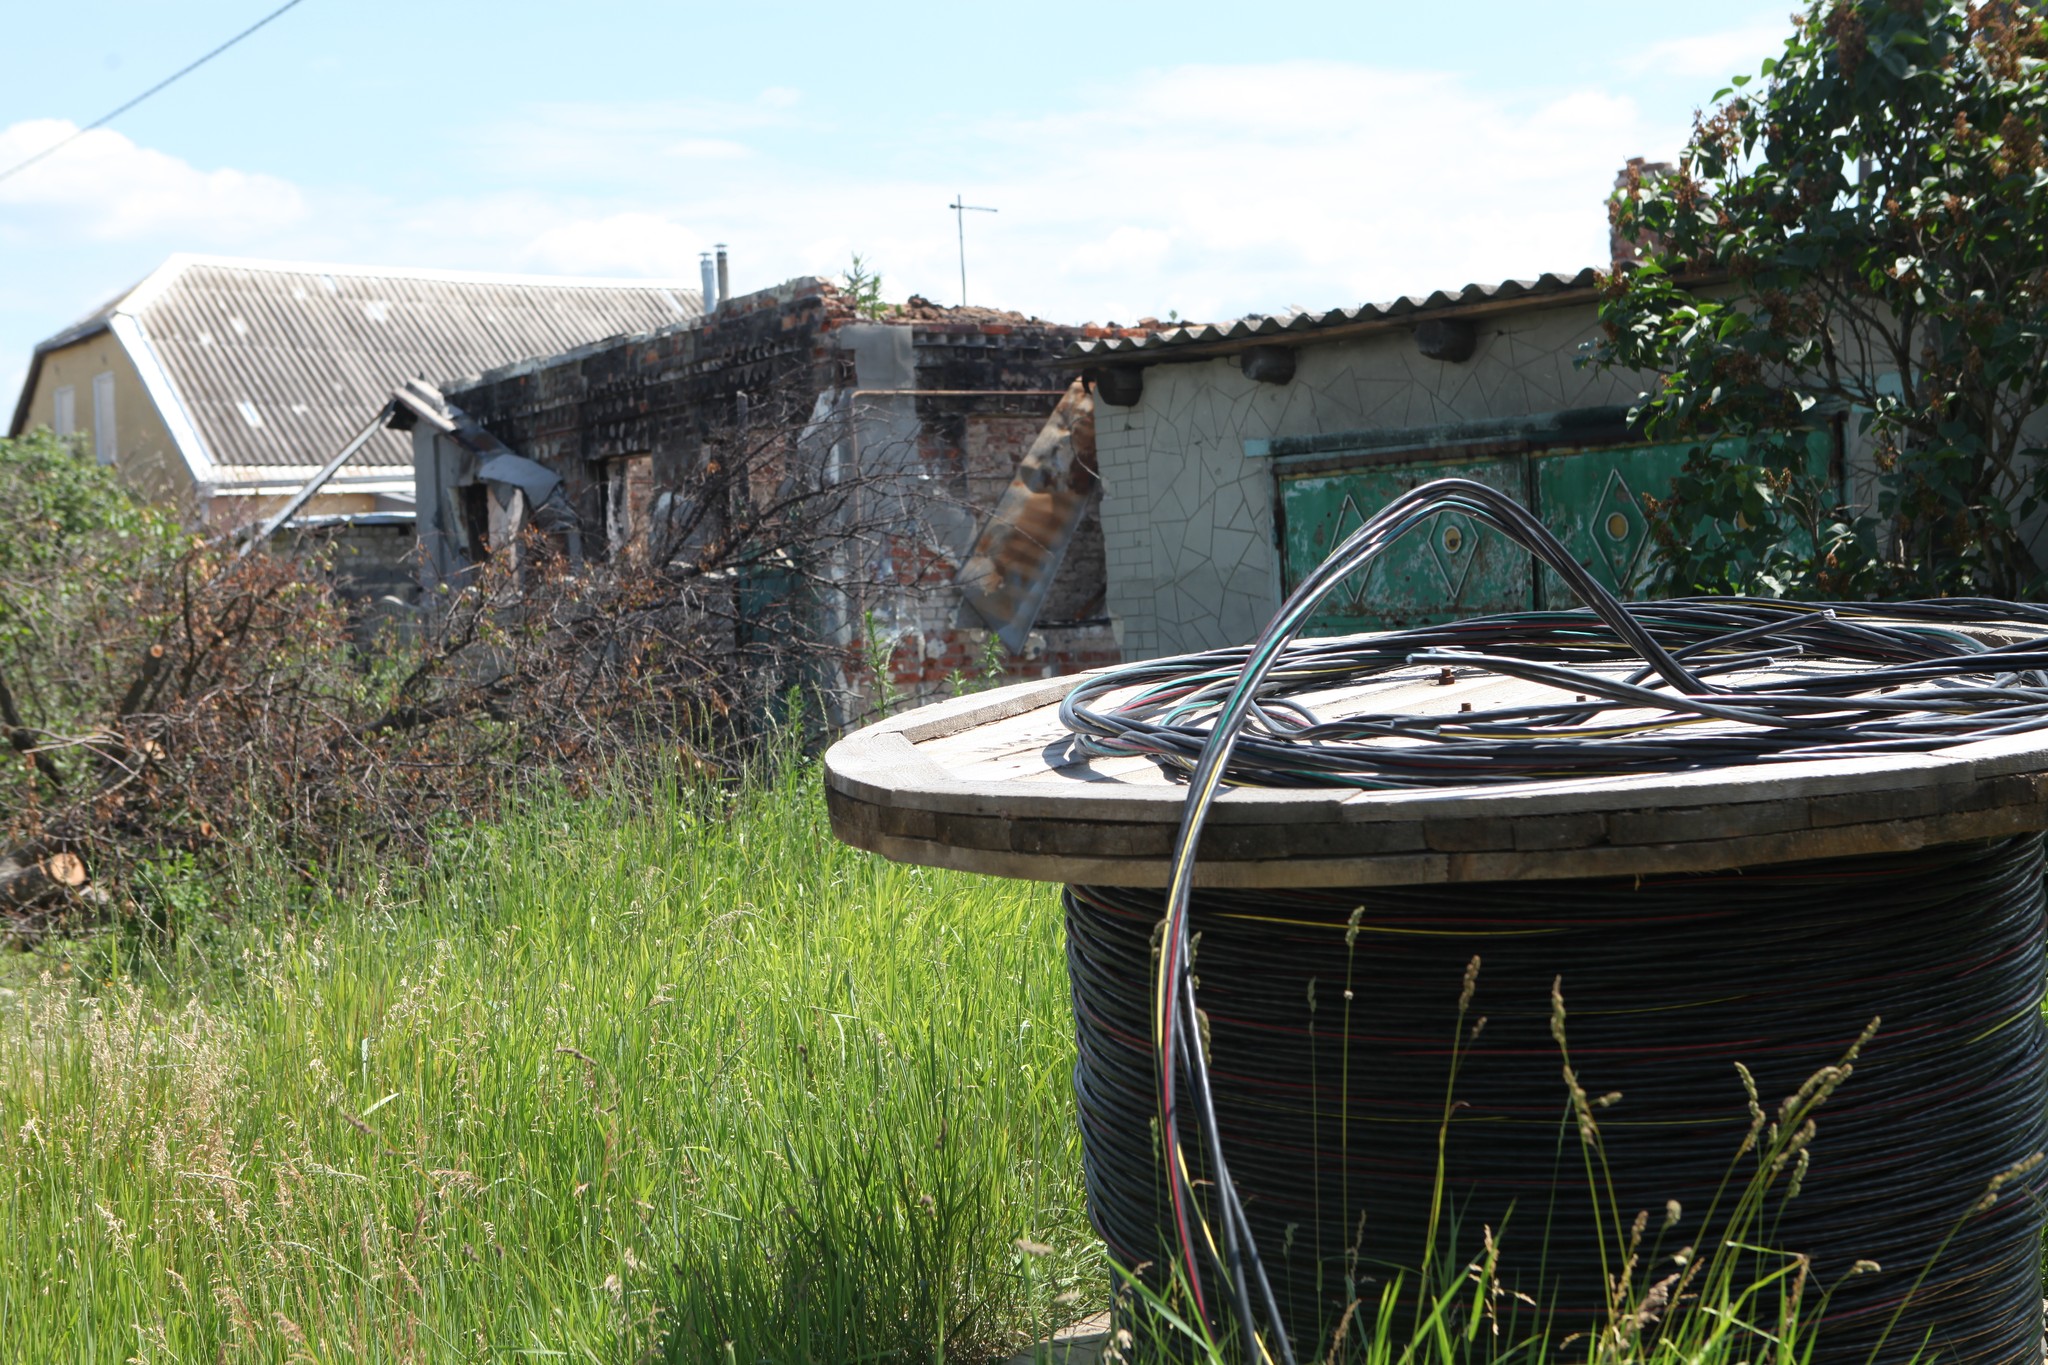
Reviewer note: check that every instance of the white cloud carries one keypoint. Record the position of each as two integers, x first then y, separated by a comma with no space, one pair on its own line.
1123,248
618,244
610,144
1211,190
1710,56
108,188
1214,190
779,97
706,149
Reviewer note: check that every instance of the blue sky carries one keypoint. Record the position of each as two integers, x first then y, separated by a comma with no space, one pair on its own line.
1207,158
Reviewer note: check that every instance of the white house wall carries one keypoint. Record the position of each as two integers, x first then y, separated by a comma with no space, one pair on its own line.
1188,518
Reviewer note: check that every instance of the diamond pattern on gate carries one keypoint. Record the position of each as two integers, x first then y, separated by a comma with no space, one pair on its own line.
1453,540
1620,530
1349,519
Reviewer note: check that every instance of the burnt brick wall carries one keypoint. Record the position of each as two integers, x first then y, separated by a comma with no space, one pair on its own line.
663,393
372,558
951,660
660,393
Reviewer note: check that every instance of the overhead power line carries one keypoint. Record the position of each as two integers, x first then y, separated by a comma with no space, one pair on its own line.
170,80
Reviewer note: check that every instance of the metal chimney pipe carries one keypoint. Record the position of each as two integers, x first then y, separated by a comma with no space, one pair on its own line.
724,280
710,275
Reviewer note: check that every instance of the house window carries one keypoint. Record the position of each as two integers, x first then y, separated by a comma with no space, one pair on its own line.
64,411
103,444
628,497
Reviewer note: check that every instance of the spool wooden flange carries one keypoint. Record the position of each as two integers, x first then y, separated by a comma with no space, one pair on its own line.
993,782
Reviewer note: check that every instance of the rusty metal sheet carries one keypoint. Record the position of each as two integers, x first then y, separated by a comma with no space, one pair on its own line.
1018,550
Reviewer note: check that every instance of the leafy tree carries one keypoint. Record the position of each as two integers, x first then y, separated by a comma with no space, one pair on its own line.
71,545
1863,229
58,499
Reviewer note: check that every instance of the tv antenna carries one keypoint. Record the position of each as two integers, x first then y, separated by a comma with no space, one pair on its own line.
960,211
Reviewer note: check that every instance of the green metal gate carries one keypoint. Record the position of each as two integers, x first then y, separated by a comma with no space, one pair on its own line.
1591,498
1442,569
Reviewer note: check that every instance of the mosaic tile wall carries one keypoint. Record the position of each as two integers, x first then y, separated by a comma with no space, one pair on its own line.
1188,519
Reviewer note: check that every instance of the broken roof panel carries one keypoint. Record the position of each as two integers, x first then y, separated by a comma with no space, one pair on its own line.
1192,341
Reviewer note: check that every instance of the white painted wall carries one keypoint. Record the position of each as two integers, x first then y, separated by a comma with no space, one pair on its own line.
1188,518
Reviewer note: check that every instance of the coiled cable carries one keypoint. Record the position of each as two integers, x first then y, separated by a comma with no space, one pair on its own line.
1836,682
1329,1027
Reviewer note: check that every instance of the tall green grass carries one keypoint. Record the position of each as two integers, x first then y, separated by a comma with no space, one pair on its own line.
660,1073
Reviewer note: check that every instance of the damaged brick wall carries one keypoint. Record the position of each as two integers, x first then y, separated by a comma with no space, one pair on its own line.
933,665
662,394
978,442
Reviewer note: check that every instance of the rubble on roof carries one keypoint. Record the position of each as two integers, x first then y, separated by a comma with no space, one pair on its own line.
918,308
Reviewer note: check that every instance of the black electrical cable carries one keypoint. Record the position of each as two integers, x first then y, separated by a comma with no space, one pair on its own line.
104,119
1661,687
1921,676
1329,1044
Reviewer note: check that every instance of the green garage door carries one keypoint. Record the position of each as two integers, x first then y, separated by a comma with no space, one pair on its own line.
1591,499
1445,568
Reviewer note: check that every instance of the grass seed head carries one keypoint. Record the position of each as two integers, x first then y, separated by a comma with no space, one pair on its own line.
1654,1302
1756,1111
1798,1173
1581,1106
2005,1177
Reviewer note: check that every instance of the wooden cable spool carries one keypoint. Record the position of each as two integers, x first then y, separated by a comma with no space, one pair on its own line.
994,783
1801,842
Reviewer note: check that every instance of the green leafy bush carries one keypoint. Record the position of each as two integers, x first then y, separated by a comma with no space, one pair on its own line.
73,547
1763,525
1861,230
61,504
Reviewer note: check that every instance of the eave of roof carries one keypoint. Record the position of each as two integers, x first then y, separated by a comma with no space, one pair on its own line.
85,327
1204,341
91,325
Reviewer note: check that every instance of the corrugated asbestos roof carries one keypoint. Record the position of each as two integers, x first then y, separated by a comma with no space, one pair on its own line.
277,364
1221,338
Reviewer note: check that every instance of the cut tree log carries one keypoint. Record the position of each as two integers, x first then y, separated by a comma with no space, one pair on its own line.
27,884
